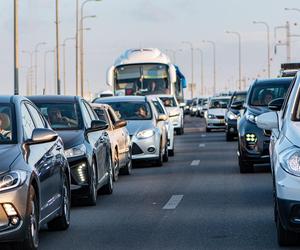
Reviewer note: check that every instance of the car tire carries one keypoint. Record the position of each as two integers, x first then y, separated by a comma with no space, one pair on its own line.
108,187
245,167
171,152
159,161
208,130
116,166
63,221
166,154
92,195
128,167
229,137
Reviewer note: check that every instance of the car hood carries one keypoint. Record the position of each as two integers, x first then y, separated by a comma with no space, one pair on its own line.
257,110
216,111
71,138
136,126
8,154
292,133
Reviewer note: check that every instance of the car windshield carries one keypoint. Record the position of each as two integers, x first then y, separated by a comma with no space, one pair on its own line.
239,98
132,110
61,116
7,133
218,103
169,101
262,95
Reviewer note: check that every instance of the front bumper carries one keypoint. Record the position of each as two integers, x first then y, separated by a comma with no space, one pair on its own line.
176,121
145,149
215,123
18,198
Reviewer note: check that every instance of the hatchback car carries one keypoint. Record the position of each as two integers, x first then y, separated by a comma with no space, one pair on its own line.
253,142
87,146
34,175
146,127
284,122
235,109
215,114
119,139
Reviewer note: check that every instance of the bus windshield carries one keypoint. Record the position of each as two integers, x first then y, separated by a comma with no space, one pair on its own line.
142,79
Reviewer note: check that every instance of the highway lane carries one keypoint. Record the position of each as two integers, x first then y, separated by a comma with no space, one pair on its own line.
198,200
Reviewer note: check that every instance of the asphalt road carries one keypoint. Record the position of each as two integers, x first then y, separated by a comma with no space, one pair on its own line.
214,207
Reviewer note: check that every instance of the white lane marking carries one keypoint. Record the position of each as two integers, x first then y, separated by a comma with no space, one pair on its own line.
201,145
203,135
195,163
173,202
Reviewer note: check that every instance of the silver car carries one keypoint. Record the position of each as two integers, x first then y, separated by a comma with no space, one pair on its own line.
146,127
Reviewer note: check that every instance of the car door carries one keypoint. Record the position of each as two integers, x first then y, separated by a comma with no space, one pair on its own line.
42,157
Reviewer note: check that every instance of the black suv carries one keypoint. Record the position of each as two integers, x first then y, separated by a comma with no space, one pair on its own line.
253,142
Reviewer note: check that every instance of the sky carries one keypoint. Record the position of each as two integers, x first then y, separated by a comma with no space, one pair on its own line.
163,24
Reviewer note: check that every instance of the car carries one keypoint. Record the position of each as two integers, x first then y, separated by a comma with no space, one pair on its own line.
194,107
201,106
175,112
253,142
215,114
188,105
284,148
160,108
87,145
34,175
119,139
235,109
149,139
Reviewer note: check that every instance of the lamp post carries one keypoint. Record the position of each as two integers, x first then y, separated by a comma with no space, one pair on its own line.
29,83
268,43
64,61
35,64
202,71
45,69
213,44
57,50
192,65
240,55
16,47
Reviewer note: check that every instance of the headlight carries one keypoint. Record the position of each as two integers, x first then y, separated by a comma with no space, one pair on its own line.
232,116
290,160
251,118
145,134
210,116
12,179
76,151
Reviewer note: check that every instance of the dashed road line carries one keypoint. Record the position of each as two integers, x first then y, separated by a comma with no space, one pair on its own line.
195,163
173,202
201,145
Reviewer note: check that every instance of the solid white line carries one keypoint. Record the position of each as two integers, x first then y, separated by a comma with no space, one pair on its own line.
203,135
173,202
202,145
195,163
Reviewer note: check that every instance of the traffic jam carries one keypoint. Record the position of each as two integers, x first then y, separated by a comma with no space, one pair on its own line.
150,163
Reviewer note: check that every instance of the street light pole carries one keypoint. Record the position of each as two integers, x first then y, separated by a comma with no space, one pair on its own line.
57,51
240,55
213,44
202,72
16,48
36,64
30,82
45,69
192,65
269,44
64,61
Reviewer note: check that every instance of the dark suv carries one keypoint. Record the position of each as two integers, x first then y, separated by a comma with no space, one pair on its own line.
253,142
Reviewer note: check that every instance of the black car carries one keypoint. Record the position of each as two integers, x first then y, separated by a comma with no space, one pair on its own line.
87,146
187,107
235,108
253,142
34,175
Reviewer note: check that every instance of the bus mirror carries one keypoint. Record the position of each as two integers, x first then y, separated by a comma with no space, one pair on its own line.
110,76
172,72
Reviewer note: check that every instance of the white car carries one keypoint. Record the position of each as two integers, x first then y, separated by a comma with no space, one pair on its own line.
175,112
215,114
284,122
168,123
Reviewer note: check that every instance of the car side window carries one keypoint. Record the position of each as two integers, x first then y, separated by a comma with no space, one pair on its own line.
284,107
112,116
27,122
91,112
37,119
86,116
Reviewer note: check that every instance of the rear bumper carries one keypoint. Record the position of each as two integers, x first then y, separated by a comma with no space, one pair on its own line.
215,123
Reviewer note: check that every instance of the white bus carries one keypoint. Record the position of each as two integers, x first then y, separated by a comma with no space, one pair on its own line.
145,71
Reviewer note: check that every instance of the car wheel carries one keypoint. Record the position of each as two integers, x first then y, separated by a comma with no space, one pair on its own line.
159,161
63,221
166,154
171,151
128,167
284,237
245,166
229,137
208,129
108,187
116,166
92,195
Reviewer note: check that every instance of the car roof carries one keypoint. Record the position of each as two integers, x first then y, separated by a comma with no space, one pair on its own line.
100,105
221,97
120,99
11,98
286,80
53,98
170,96
240,93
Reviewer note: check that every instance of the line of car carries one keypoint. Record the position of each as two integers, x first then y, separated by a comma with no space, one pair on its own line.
62,150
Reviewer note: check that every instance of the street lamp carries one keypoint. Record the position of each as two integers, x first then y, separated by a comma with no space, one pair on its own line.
213,44
192,65
29,87
35,64
240,55
57,50
16,47
45,69
64,57
202,71
268,43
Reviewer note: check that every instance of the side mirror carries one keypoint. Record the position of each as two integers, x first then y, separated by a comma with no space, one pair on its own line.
162,118
120,124
237,105
276,104
97,125
267,121
172,73
110,76
42,135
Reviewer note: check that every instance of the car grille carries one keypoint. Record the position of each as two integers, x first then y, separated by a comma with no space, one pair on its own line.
136,150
